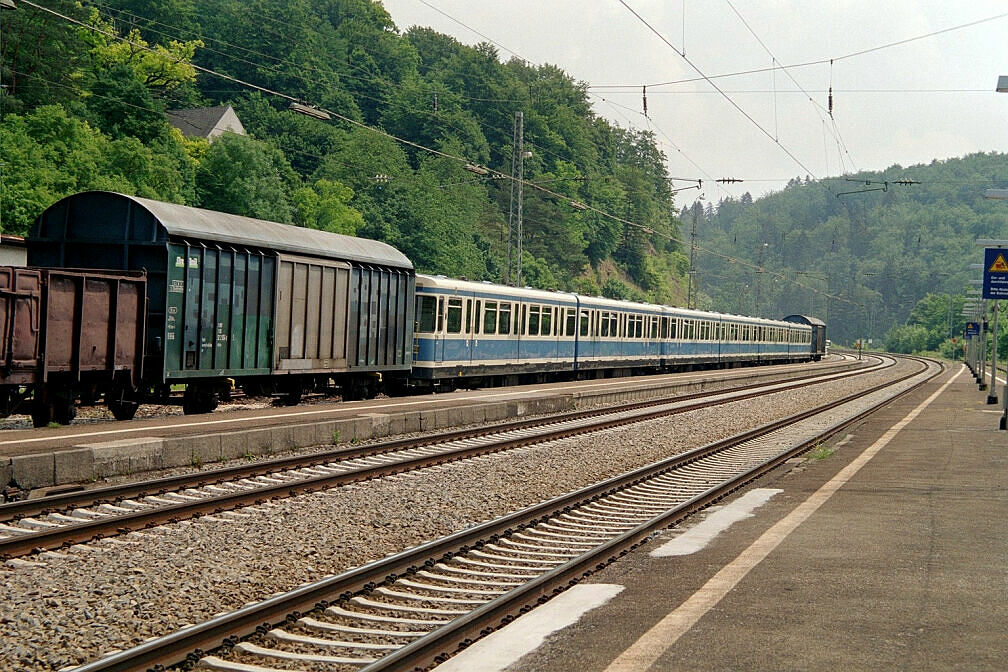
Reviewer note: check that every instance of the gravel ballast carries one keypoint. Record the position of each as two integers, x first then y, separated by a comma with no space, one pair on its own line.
83,602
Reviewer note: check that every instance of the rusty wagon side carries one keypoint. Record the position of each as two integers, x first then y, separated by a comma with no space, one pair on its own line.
67,334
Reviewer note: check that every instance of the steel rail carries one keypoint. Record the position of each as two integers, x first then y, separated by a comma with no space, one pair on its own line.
436,647
188,645
58,537
109,494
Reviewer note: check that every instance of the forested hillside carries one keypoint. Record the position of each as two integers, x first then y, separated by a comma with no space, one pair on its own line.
85,110
861,260
86,88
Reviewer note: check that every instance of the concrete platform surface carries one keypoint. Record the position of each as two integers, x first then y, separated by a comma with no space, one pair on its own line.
892,553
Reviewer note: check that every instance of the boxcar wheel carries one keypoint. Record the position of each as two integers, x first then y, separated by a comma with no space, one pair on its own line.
291,393
199,399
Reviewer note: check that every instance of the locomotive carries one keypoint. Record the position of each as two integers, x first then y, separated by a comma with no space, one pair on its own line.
200,302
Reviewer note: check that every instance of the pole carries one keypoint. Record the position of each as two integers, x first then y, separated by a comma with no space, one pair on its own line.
992,390
690,298
983,348
514,249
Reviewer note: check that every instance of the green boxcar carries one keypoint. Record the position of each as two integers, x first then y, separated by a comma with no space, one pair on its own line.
238,298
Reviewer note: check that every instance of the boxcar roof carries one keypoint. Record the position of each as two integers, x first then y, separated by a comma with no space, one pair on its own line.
198,225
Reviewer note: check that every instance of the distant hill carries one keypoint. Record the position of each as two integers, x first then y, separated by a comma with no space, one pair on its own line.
861,261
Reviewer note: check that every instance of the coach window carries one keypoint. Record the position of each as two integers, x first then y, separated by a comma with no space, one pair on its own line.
505,318
547,321
534,313
654,328
605,324
476,315
426,314
490,318
454,316
584,323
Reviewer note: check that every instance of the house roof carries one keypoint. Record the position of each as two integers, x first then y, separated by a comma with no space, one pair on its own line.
206,122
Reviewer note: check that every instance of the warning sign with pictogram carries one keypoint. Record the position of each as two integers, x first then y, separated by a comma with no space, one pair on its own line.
995,278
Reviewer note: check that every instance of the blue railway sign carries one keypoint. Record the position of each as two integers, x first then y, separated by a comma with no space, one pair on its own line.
972,329
995,276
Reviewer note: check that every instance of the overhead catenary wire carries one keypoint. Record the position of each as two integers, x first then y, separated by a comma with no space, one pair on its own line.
821,61
787,72
648,121
293,99
719,90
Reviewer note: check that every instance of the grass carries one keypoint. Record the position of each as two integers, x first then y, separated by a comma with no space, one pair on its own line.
821,452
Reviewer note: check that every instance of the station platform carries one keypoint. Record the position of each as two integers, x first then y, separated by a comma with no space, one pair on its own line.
890,553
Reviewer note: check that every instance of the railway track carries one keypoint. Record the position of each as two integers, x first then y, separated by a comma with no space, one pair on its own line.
413,609
53,522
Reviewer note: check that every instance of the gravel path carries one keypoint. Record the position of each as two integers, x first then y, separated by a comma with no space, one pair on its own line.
89,600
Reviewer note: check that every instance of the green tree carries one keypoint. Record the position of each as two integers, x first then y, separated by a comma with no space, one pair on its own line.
325,205
40,53
247,177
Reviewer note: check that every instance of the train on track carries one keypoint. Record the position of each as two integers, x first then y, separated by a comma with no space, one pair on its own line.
127,300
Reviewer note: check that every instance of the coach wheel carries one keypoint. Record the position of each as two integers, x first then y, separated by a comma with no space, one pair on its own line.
199,399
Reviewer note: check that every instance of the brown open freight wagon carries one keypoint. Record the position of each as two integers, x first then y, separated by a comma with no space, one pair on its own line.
69,334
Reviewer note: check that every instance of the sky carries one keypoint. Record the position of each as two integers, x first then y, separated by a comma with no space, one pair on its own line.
925,99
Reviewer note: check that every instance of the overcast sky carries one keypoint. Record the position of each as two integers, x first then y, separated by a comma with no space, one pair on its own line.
906,104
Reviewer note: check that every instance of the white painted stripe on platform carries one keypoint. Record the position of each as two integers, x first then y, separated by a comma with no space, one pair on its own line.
698,536
499,650
643,653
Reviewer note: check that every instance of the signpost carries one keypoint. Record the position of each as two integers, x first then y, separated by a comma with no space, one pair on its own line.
995,277
995,287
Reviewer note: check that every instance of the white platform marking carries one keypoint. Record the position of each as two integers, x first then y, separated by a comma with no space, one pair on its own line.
698,536
507,645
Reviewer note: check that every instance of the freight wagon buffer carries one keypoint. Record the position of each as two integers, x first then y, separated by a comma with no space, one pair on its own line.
275,308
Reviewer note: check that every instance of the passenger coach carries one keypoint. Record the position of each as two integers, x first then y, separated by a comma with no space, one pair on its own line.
472,333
